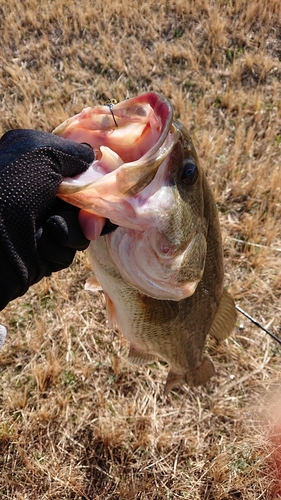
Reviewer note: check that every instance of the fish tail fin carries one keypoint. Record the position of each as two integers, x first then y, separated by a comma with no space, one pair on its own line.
140,358
197,376
225,318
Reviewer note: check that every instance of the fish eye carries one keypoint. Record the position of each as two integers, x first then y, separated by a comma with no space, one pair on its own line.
189,172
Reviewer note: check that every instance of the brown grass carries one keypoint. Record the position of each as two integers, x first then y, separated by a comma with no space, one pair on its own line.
76,421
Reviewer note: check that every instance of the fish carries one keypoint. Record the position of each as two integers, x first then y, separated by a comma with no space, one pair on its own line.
161,269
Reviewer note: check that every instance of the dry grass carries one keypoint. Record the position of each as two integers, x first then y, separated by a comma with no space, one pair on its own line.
77,422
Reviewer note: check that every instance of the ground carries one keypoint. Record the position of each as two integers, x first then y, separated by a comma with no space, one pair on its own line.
77,421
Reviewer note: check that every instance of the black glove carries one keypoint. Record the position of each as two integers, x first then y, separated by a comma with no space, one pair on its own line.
38,232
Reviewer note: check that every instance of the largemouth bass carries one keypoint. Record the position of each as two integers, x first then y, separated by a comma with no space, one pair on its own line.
162,268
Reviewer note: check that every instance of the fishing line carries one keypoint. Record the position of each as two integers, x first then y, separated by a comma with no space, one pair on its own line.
3,329
258,324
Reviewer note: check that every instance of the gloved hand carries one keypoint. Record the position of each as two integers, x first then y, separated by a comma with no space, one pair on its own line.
39,233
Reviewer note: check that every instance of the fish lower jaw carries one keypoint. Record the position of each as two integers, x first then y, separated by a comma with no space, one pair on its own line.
164,291
137,258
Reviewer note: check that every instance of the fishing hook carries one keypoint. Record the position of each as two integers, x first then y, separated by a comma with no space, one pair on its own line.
110,103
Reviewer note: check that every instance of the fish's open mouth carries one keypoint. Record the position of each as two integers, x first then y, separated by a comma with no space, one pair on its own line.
129,148
129,153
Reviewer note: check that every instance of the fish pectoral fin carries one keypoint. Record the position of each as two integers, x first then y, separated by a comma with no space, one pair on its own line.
111,311
92,284
138,357
225,318
197,376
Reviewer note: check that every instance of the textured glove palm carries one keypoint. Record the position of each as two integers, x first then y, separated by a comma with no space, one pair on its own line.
38,233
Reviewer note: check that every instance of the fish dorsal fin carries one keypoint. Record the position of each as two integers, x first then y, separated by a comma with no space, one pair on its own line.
225,318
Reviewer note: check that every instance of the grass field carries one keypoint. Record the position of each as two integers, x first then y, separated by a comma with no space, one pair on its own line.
77,421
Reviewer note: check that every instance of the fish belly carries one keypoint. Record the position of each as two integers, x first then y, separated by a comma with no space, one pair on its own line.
169,330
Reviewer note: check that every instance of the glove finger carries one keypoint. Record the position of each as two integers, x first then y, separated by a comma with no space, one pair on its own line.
17,142
108,228
65,229
59,206
55,255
